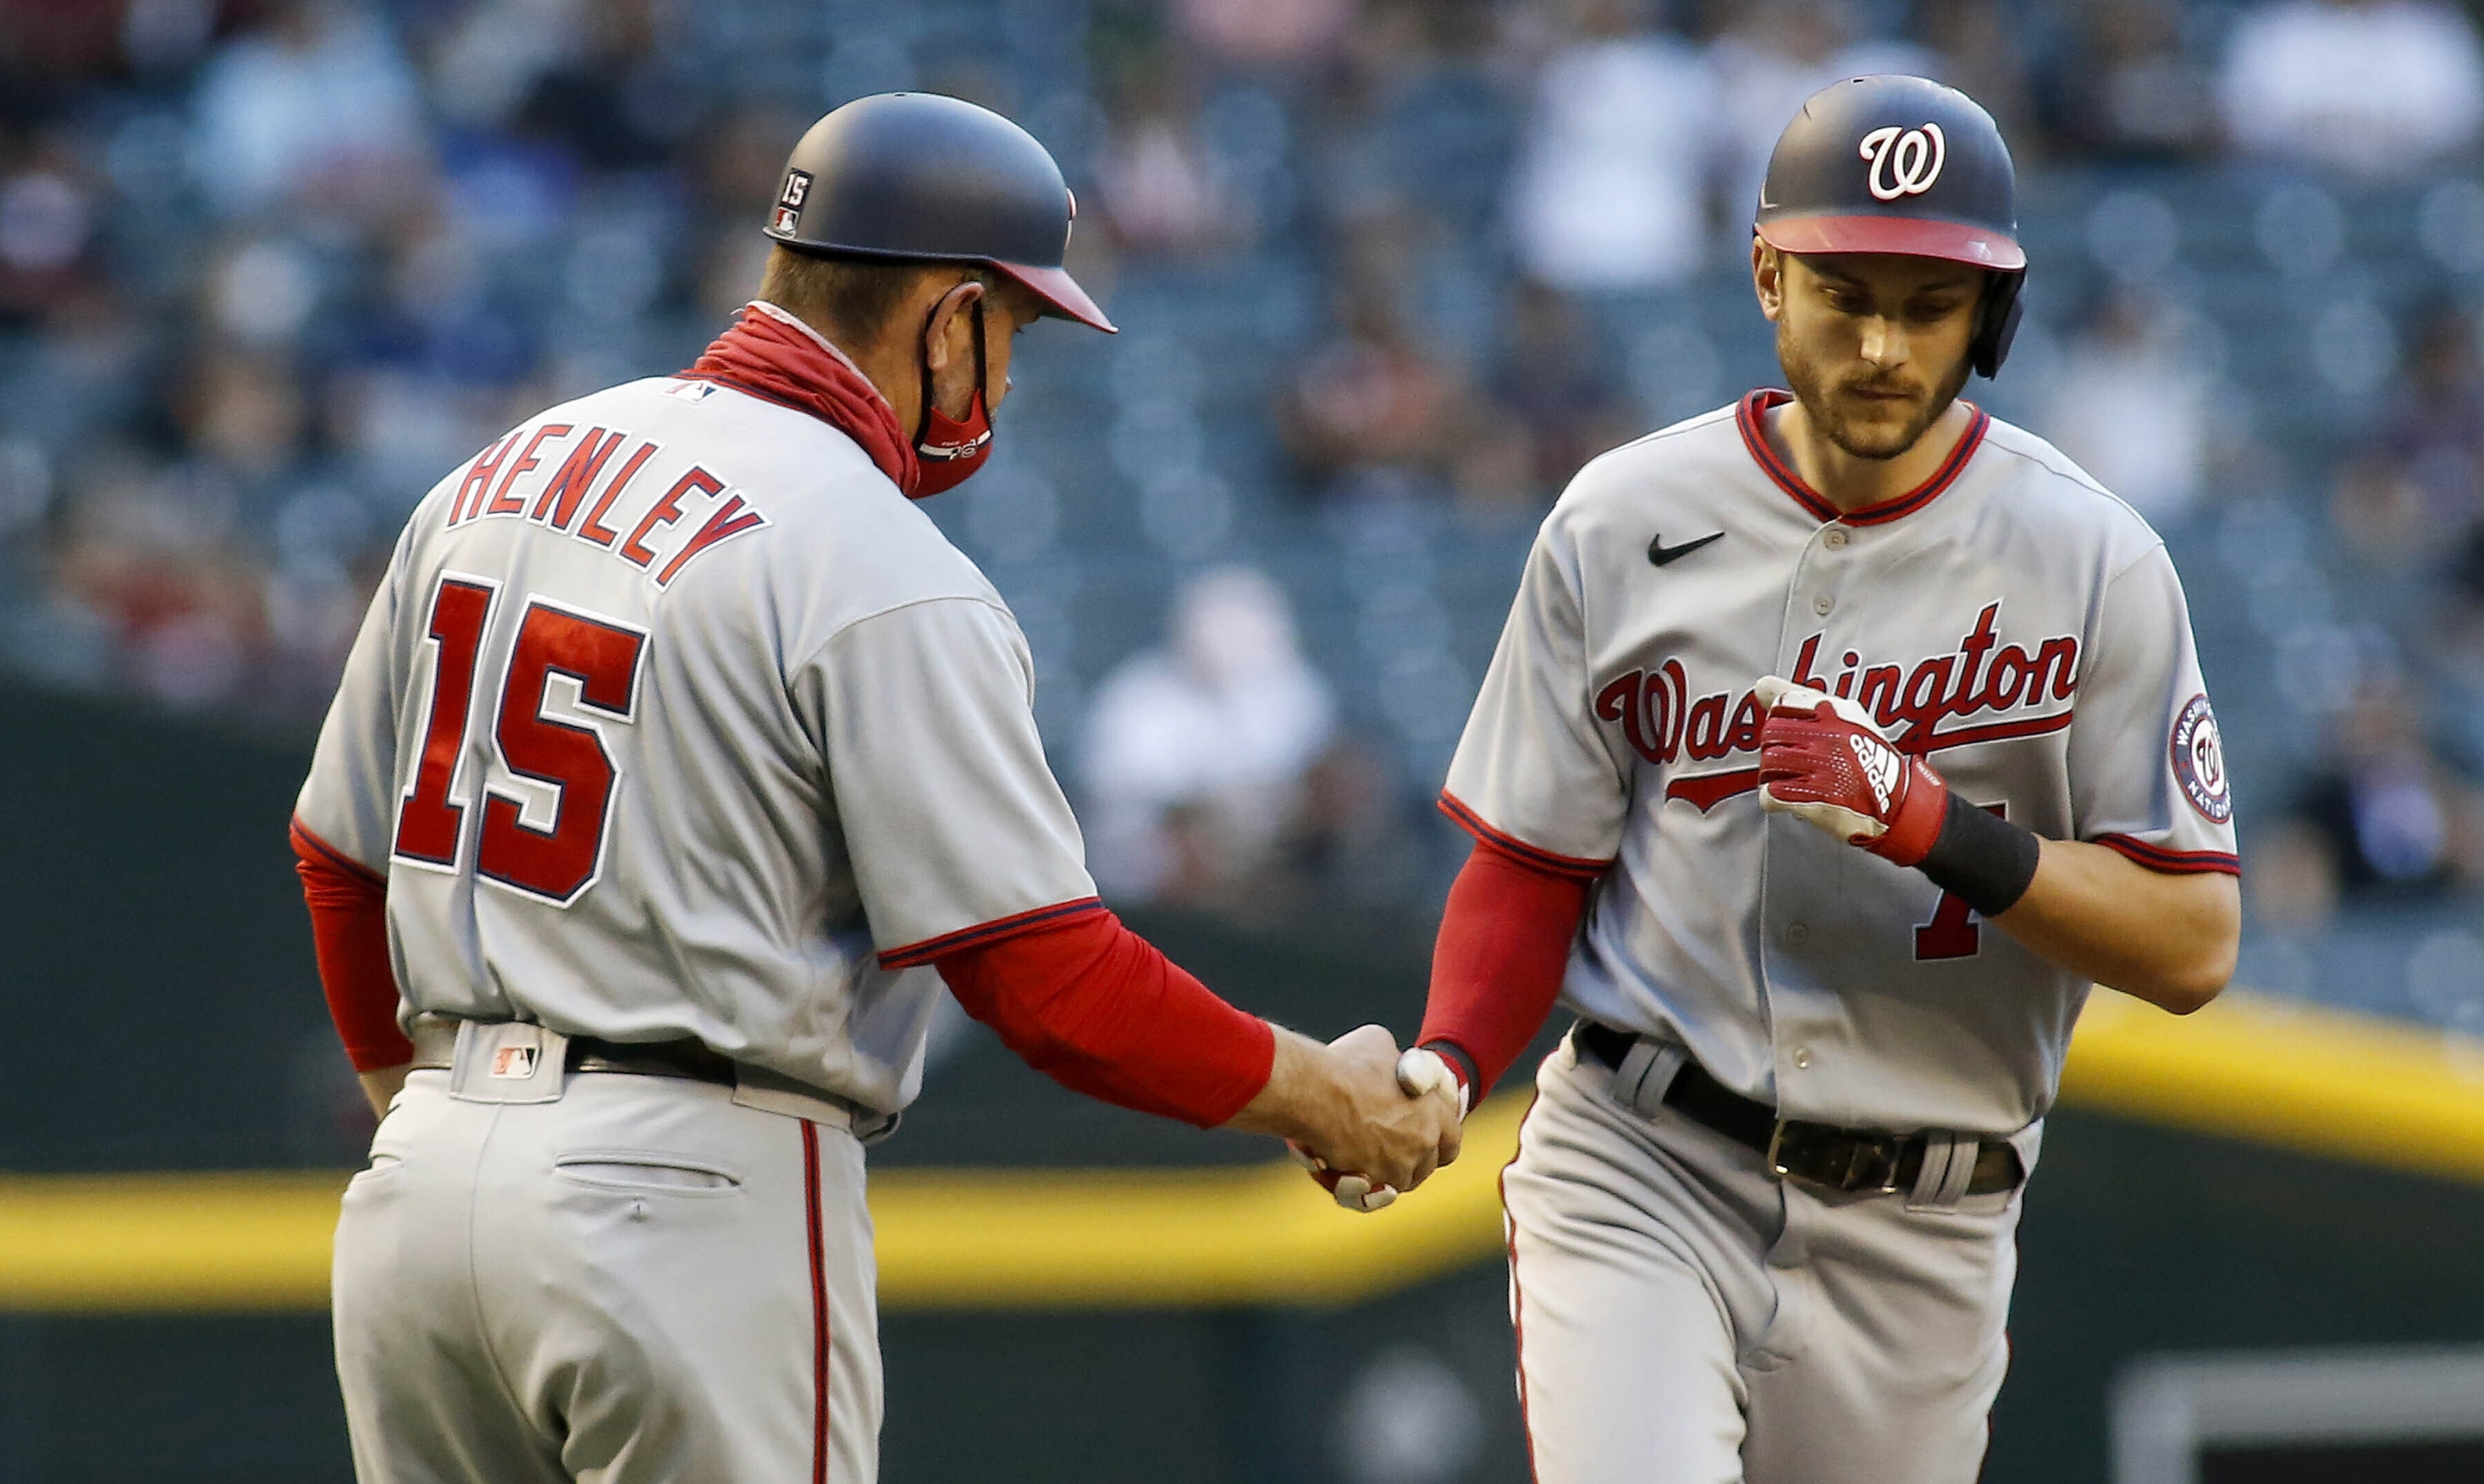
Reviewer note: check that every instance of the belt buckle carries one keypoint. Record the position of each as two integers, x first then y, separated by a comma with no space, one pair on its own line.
1871,1164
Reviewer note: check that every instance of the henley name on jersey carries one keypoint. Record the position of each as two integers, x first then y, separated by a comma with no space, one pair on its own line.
1662,724
560,496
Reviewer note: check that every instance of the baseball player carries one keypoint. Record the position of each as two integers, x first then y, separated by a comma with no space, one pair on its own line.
1837,742
678,763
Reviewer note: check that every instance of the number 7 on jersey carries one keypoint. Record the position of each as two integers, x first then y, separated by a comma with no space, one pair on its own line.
559,861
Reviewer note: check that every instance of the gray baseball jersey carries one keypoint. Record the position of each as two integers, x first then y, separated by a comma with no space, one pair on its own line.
673,718
2009,619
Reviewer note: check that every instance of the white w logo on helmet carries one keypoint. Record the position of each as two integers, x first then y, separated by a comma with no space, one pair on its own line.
1911,159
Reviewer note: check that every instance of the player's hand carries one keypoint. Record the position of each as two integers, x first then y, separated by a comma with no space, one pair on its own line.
1398,1119
1822,760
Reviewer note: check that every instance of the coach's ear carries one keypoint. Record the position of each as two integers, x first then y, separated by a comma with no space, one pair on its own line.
1767,275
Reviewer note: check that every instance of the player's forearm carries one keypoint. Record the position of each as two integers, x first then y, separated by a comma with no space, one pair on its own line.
1497,968
2168,939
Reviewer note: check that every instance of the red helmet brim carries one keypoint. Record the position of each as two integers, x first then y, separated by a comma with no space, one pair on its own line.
1909,236
1061,293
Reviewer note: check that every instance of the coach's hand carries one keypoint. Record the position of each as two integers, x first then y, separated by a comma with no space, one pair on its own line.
1421,1075
1822,760
1393,1119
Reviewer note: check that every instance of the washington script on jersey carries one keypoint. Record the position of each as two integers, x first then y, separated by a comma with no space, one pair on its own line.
1663,723
564,493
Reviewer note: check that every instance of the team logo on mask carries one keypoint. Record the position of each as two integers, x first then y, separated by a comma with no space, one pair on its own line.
1904,162
2199,762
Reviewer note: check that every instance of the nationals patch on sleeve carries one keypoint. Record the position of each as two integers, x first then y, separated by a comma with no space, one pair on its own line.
2199,762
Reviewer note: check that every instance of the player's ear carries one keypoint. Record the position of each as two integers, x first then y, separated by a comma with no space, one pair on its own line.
1767,275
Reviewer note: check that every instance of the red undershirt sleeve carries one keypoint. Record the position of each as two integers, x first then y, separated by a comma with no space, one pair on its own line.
1100,1010
1497,968
348,906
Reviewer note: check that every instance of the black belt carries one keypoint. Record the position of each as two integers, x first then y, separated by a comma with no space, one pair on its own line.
1845,1159
682,1057
687,1057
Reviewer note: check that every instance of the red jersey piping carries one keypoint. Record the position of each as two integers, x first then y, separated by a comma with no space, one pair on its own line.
333,856
823,1351
2155,857
984,934
1537,857
1749,418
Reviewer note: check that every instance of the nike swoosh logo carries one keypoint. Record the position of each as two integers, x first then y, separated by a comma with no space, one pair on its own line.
1659,553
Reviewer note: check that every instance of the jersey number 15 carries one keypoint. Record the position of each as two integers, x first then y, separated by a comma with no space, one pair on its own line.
559,862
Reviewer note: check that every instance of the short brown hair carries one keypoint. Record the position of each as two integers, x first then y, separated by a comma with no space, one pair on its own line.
849,299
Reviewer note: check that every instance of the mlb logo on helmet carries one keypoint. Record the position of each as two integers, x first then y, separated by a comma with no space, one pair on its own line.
788,215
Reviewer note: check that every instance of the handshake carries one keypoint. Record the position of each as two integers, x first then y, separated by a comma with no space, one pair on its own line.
1366,1121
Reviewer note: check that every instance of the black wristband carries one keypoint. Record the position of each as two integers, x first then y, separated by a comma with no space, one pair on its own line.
1456,1056
1981,858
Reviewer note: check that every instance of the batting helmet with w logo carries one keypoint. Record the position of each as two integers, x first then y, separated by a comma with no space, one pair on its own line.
1902,165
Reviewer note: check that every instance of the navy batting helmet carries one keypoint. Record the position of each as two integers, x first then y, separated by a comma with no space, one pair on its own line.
920,177
1902,165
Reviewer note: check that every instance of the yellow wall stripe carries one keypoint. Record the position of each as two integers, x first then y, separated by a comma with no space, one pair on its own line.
2250,1067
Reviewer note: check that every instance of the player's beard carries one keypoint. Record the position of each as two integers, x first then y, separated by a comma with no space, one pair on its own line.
1828,411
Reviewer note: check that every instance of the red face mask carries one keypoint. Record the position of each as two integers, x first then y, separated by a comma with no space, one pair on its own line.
947,449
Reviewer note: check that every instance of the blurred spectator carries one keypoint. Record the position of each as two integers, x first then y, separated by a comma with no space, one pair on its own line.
1372,399
1769,56
319,105
1609,192
2124,88
1278,33
2291,871
2371,87
1981,47
1162,189
151,554
47,221
1196,753
1552,374
2132,406
2376,508
2395,820
2437,421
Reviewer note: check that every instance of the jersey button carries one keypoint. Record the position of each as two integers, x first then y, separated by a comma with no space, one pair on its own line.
1802,1058
1836,538
1822,604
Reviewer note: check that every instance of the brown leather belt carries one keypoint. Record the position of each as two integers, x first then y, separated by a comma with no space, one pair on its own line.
435,1044
1845,1159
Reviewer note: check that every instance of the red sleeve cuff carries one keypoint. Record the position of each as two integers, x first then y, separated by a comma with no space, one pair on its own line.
348,903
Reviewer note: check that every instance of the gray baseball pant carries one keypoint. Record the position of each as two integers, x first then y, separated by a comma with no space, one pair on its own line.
637,1280
1685,1317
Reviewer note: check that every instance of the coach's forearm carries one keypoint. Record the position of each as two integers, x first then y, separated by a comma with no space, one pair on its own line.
2168,939
1303,1099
